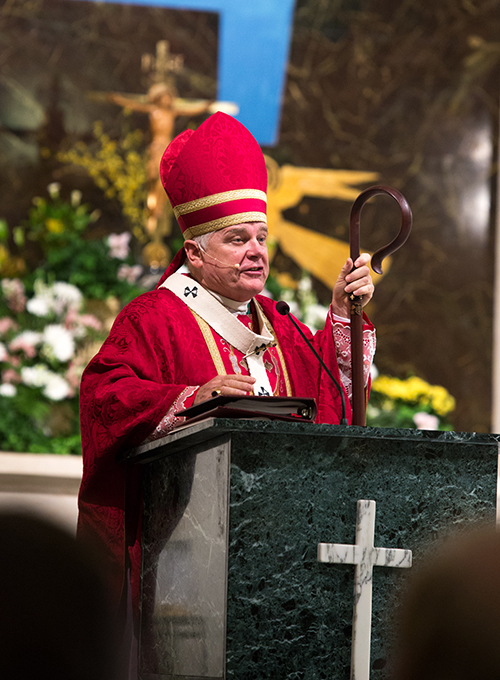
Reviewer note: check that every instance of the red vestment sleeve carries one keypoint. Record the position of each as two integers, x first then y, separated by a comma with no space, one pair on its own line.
154,350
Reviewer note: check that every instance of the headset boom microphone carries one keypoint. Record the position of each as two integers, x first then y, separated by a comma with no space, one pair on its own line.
229,266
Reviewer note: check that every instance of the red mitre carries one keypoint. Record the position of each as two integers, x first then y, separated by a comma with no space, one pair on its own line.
215,177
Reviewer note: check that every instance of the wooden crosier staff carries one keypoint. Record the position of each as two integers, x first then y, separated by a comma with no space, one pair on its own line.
358,383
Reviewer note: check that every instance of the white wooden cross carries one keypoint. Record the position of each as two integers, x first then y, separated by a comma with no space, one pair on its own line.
365,556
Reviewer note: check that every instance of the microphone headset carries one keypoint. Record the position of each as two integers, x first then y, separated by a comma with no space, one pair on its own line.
230,266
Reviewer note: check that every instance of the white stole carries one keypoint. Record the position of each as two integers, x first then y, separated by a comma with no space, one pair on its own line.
227,326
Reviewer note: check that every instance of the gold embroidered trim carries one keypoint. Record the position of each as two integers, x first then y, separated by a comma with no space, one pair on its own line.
278,349
211,344
222,222
217,199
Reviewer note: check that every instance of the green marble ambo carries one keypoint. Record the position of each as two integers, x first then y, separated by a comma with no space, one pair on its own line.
291,486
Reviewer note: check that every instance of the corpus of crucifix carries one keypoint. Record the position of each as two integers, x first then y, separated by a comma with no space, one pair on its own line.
163,106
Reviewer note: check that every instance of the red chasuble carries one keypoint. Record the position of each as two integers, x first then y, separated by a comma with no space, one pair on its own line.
156,350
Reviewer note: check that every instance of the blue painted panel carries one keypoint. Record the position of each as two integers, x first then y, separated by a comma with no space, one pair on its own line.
253,53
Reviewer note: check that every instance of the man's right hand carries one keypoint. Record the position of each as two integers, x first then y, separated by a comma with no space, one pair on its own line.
226,385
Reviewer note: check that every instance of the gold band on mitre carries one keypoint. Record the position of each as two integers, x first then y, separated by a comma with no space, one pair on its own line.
222,222
217,199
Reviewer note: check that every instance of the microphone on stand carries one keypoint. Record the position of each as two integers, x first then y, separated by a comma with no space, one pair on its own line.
283,309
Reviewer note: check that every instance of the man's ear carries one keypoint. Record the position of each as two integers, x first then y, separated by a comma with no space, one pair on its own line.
193,254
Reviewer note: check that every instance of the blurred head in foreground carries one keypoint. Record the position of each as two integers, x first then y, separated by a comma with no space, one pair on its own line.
54,620
449,620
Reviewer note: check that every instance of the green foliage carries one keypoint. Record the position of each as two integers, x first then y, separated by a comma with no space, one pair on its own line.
60,229
23,425
46,336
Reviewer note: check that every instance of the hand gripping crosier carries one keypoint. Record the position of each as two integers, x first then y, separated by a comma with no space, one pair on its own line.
358,389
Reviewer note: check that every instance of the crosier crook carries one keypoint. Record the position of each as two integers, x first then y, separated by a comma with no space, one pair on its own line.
358,386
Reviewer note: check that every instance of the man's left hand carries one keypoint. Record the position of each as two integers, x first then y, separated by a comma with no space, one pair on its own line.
357,281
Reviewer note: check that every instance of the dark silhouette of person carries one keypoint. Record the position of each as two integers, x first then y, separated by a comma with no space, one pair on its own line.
54,617
449,617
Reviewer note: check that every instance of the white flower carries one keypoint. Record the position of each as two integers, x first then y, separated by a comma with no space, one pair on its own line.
67,293
35,376
39,306
12,287
305,284
8,390
58,342
30,337
76,198
54,188
374,372
3,352
56,388
315,316
54,299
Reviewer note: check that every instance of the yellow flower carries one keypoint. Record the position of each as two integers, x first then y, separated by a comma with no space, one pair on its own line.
442,402
54,225
118,168
415,391
10,266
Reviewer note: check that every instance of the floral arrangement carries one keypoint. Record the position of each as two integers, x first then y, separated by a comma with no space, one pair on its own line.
47,335
100,268
42,339
412,403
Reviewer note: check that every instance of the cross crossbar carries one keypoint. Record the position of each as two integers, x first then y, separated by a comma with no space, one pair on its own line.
364,555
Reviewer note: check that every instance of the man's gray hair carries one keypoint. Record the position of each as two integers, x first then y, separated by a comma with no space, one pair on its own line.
203,240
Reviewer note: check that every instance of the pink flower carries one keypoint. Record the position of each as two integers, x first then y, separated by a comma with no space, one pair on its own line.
89,321
118,245
71,317
426,421
74,375
78,322
10,376
13,291
6,324
130,274
19,345
26,342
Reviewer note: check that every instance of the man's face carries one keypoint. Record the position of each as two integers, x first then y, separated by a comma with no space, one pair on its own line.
244,245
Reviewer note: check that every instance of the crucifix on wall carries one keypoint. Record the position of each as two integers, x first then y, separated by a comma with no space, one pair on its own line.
365,556
163,106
